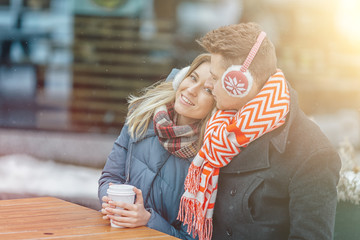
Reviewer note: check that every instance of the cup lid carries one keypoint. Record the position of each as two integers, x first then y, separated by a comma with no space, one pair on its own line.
120,189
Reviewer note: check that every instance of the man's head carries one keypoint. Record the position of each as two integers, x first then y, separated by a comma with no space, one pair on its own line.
230,45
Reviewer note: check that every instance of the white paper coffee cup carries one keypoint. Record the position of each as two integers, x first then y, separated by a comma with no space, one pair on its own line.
121,193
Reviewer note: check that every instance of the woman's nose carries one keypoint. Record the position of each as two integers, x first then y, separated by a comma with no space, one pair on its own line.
194,89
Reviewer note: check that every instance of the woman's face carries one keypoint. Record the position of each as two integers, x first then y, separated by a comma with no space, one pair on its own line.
193,97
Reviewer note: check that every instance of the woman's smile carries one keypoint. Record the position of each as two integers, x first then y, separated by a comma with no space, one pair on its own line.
186,100
193,99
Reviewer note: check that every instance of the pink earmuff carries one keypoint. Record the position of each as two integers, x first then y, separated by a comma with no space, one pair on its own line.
237,80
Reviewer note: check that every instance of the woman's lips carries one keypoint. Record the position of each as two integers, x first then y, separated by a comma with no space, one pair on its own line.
186,100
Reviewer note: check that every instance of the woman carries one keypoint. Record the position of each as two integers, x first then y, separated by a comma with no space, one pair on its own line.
163,132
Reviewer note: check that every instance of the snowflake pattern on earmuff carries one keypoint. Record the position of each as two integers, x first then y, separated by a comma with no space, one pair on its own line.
237,80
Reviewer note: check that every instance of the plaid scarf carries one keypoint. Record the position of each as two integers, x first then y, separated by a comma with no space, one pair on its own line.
226,133
180,141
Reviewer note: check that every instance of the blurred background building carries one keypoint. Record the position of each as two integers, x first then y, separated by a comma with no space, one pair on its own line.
67,66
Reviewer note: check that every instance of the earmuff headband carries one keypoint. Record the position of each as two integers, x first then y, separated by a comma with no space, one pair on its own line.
253,52
237,80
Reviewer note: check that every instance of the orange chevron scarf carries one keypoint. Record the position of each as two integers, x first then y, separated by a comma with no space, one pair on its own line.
226,132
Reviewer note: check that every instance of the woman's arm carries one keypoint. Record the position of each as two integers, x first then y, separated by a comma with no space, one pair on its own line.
114,169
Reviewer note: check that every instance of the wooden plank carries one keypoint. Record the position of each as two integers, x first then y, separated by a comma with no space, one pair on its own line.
90,105
102,58
113,22
120,70
119,34
51,218
105,94
104,22
140,46
115,82
93,232
95,32
96,118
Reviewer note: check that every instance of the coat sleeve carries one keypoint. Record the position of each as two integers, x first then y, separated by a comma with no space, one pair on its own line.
313,196
159,223
114,169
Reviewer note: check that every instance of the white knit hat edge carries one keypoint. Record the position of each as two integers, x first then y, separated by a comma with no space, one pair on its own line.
179,77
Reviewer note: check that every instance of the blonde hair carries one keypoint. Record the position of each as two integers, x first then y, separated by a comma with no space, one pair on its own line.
142,108
234,42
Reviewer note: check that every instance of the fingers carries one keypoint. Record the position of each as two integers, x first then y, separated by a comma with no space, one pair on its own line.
122,212
130,219
118,217
105,205
124,205
105,213
128,215
105,199
135,212
123,221
139,196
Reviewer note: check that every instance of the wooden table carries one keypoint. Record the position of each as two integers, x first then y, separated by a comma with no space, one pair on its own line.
52,218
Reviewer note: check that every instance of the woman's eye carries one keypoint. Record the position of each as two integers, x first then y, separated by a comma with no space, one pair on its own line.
208,90
193,77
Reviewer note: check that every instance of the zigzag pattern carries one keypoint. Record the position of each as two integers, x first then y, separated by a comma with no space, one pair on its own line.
216,144
226,132
259,116
264,113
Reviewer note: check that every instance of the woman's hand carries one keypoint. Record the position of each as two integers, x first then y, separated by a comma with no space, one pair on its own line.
132,215
105,205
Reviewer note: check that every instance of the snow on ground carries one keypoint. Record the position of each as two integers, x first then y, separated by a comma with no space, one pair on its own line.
23,174
343,125
45,163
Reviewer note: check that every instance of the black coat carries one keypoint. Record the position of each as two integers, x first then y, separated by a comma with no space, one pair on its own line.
282,186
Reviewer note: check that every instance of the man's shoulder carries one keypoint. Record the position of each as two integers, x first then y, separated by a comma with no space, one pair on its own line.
305,135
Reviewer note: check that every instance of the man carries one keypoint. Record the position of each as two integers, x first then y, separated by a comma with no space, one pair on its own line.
265,170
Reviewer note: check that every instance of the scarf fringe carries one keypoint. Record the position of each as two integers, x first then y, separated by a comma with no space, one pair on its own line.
208,229
190,213
187,210
192,180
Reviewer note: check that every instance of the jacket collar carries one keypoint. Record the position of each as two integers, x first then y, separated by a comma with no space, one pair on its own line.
279,140
149,133
256,155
